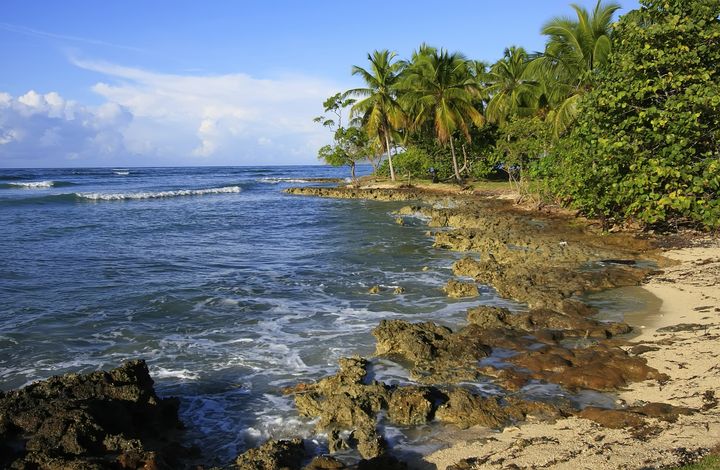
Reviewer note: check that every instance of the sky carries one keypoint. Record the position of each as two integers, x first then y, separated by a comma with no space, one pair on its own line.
175,82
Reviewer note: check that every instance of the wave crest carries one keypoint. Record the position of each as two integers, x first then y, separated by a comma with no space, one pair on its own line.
156,194
31,185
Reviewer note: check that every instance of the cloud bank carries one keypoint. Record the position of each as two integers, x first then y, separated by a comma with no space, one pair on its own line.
47,128
150,118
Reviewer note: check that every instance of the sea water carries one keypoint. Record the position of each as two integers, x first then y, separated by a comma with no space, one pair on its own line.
229,288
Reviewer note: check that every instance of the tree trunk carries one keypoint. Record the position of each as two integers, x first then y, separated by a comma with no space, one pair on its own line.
455,166
465,167
352,172
387,146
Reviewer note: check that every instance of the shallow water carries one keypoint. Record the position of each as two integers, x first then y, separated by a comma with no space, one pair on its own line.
229,288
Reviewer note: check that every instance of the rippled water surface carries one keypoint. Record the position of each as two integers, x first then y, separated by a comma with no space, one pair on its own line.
229,288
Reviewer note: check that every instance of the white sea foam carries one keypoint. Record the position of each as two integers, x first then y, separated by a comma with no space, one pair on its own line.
283,180
34,184
183,374
157,194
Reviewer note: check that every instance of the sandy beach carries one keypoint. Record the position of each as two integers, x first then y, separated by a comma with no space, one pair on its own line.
680,341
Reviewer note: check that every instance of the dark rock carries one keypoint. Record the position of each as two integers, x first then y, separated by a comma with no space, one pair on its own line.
274,455
383,462
87,420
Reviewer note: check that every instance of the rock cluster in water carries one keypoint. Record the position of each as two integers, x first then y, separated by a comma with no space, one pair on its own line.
545,262
101,420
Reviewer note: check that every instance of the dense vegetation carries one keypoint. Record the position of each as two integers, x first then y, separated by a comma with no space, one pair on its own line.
619,120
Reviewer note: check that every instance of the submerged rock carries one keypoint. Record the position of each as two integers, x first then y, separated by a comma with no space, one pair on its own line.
104,419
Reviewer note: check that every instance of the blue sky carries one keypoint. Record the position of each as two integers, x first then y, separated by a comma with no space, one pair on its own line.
88,83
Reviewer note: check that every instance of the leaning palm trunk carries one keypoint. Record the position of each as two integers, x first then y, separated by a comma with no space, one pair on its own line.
455,165
392,170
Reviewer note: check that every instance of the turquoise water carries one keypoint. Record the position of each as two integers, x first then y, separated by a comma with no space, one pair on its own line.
229,288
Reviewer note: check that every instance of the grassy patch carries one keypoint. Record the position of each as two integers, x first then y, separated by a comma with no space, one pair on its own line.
710,462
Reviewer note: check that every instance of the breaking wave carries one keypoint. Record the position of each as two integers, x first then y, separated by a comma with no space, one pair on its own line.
283,180
156,194
35,184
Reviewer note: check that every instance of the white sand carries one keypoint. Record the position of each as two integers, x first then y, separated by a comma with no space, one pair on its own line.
690,293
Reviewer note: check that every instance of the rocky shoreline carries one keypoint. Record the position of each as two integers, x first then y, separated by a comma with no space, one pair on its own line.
114,419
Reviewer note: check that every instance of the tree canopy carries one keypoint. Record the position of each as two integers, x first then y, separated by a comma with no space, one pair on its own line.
620,120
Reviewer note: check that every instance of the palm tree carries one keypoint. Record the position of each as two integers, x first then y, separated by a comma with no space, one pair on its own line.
440,89
509,86
575,49
378,109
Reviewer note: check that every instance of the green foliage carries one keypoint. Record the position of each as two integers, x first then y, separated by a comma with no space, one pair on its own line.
576,49
521,151
438,93
414,162
351,145
511,89
647,141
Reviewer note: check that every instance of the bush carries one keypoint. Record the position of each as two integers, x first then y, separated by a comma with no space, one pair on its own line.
413,161
647,141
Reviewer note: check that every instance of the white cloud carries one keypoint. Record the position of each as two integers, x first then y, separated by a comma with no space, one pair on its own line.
47,129
230,119
156,118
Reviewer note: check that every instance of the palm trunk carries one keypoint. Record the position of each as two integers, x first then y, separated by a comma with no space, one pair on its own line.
352,172
465,167
455,165
387,146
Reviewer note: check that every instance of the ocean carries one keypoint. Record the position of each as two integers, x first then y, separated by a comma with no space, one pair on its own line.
229,288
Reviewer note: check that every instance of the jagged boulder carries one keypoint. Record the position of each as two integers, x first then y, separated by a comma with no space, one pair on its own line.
412,405
99,420
274,455
458,289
